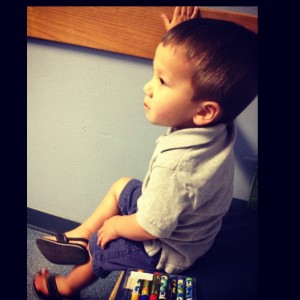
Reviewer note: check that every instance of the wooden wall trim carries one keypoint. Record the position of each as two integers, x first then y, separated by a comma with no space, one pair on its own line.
131,30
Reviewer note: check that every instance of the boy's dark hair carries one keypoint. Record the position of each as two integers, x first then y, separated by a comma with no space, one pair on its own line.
224,55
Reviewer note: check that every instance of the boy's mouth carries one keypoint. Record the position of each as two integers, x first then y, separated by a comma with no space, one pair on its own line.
146,106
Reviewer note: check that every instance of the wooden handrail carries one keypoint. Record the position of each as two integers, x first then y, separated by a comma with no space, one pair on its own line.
131,30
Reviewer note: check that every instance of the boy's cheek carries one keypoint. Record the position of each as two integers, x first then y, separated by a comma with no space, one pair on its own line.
154,117
163,119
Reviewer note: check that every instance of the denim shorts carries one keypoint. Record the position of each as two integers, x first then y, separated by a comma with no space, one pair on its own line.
122,253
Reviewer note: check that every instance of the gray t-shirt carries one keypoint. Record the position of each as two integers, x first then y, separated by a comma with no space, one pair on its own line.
186,192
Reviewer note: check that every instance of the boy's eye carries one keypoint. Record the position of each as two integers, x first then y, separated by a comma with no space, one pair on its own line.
161,81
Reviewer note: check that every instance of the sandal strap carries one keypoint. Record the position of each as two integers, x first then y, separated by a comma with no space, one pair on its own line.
79,239
52,288
62,238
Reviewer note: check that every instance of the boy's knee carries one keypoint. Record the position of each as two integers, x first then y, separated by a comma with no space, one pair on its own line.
119,185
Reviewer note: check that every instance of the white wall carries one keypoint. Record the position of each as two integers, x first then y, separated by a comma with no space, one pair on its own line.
86,127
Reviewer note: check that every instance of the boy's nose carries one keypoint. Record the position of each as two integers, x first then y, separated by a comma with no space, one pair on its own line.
147,89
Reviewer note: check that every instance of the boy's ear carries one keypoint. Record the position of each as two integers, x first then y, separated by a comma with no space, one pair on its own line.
207,113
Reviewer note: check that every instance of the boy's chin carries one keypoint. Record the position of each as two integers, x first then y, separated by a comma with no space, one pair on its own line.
157,123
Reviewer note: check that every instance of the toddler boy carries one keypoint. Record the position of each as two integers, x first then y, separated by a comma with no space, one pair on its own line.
204,76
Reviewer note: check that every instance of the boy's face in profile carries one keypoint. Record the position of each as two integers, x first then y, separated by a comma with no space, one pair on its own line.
170,91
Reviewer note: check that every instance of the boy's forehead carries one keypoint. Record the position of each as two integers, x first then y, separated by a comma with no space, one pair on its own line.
172,61
169,52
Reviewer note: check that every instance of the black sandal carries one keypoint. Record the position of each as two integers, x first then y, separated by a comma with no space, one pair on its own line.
52,290
62,252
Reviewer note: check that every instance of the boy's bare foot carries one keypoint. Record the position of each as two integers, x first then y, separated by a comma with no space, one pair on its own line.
68,248
76,233
54,287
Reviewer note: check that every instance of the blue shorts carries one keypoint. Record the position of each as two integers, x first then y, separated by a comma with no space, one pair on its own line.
122,253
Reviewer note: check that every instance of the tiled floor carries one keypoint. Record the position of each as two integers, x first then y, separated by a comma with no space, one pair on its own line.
100,290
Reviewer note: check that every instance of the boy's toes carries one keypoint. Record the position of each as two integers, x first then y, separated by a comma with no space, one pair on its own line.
39,282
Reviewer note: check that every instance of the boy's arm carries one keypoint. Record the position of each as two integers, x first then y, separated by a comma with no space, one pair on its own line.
122,226
181,14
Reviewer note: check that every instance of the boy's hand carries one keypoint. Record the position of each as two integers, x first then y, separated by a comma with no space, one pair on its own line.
108,232
122,226
181,14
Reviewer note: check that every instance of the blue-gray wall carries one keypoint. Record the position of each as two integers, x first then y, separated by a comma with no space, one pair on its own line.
86,127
